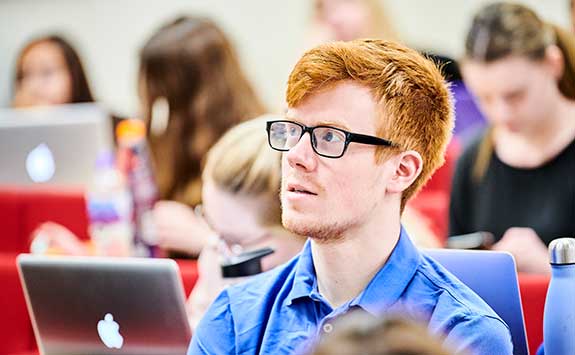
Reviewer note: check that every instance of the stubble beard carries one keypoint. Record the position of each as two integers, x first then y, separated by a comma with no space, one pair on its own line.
323,231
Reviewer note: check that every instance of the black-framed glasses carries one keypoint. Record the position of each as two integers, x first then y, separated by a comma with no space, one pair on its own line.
326,141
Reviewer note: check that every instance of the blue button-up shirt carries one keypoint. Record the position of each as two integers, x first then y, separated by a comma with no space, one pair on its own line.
282,312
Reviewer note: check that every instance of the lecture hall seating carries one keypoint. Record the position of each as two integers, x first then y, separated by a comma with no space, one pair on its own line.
22,209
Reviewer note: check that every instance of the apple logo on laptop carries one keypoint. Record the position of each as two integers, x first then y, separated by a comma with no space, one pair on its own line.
40,163
109,332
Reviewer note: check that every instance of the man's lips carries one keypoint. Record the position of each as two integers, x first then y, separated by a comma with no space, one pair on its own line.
297,188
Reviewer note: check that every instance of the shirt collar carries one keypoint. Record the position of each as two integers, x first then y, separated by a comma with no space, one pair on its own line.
392,279
381,292
304,280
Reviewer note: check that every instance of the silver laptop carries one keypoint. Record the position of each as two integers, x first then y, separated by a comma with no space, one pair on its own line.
55,144
96,305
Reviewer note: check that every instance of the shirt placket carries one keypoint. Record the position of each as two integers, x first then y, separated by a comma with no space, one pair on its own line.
325,323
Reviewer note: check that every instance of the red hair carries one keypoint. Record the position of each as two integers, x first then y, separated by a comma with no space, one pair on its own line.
416,110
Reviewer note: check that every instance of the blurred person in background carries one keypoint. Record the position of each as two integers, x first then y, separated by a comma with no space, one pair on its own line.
345,20
358,332
49,72
192,90
516,180
241,207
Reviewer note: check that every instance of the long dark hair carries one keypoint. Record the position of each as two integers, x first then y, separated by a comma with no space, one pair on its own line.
191,65
80,89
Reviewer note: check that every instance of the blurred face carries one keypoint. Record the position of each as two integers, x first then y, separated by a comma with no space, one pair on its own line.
321,197
346,19
45,77
514,93
235,219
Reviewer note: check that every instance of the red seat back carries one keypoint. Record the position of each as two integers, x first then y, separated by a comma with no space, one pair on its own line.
23,209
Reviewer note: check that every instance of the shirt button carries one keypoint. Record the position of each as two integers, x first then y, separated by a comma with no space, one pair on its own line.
327,328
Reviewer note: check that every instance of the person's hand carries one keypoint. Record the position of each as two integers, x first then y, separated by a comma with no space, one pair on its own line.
210,280
529,251
178,228
209,284
54,238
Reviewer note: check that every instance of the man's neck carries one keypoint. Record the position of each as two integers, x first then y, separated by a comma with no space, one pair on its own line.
344,268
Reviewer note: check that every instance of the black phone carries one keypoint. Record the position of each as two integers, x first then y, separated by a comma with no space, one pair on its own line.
478,240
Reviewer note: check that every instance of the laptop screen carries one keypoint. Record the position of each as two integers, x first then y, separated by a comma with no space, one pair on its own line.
56,144
96,305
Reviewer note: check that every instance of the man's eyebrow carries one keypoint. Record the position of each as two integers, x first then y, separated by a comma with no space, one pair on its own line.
336,124
333,124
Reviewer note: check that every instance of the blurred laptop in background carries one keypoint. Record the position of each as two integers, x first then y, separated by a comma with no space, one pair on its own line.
54,145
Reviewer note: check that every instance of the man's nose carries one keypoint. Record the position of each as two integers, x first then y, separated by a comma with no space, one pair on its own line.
301,155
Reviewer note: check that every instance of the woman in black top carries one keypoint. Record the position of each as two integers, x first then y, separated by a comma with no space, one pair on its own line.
518,179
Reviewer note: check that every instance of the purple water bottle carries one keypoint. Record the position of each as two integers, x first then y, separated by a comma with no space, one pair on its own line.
559,316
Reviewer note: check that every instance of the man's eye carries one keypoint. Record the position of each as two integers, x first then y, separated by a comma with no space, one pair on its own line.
293,131
330,137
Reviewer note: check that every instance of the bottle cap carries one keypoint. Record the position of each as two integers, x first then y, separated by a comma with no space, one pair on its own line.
131,129
562,251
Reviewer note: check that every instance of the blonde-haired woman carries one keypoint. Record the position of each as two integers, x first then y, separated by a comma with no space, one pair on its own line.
241,207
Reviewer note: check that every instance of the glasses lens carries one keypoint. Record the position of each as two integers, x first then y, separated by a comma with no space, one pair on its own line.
329,141
284,135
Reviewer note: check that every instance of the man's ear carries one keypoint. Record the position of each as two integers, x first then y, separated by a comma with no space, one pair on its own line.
408,167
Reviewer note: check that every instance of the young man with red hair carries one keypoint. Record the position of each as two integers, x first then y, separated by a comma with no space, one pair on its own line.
366,126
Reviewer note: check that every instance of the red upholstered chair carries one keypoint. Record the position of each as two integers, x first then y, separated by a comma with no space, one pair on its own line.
11,217
533,290
432,201
189,273
16,334
23,209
